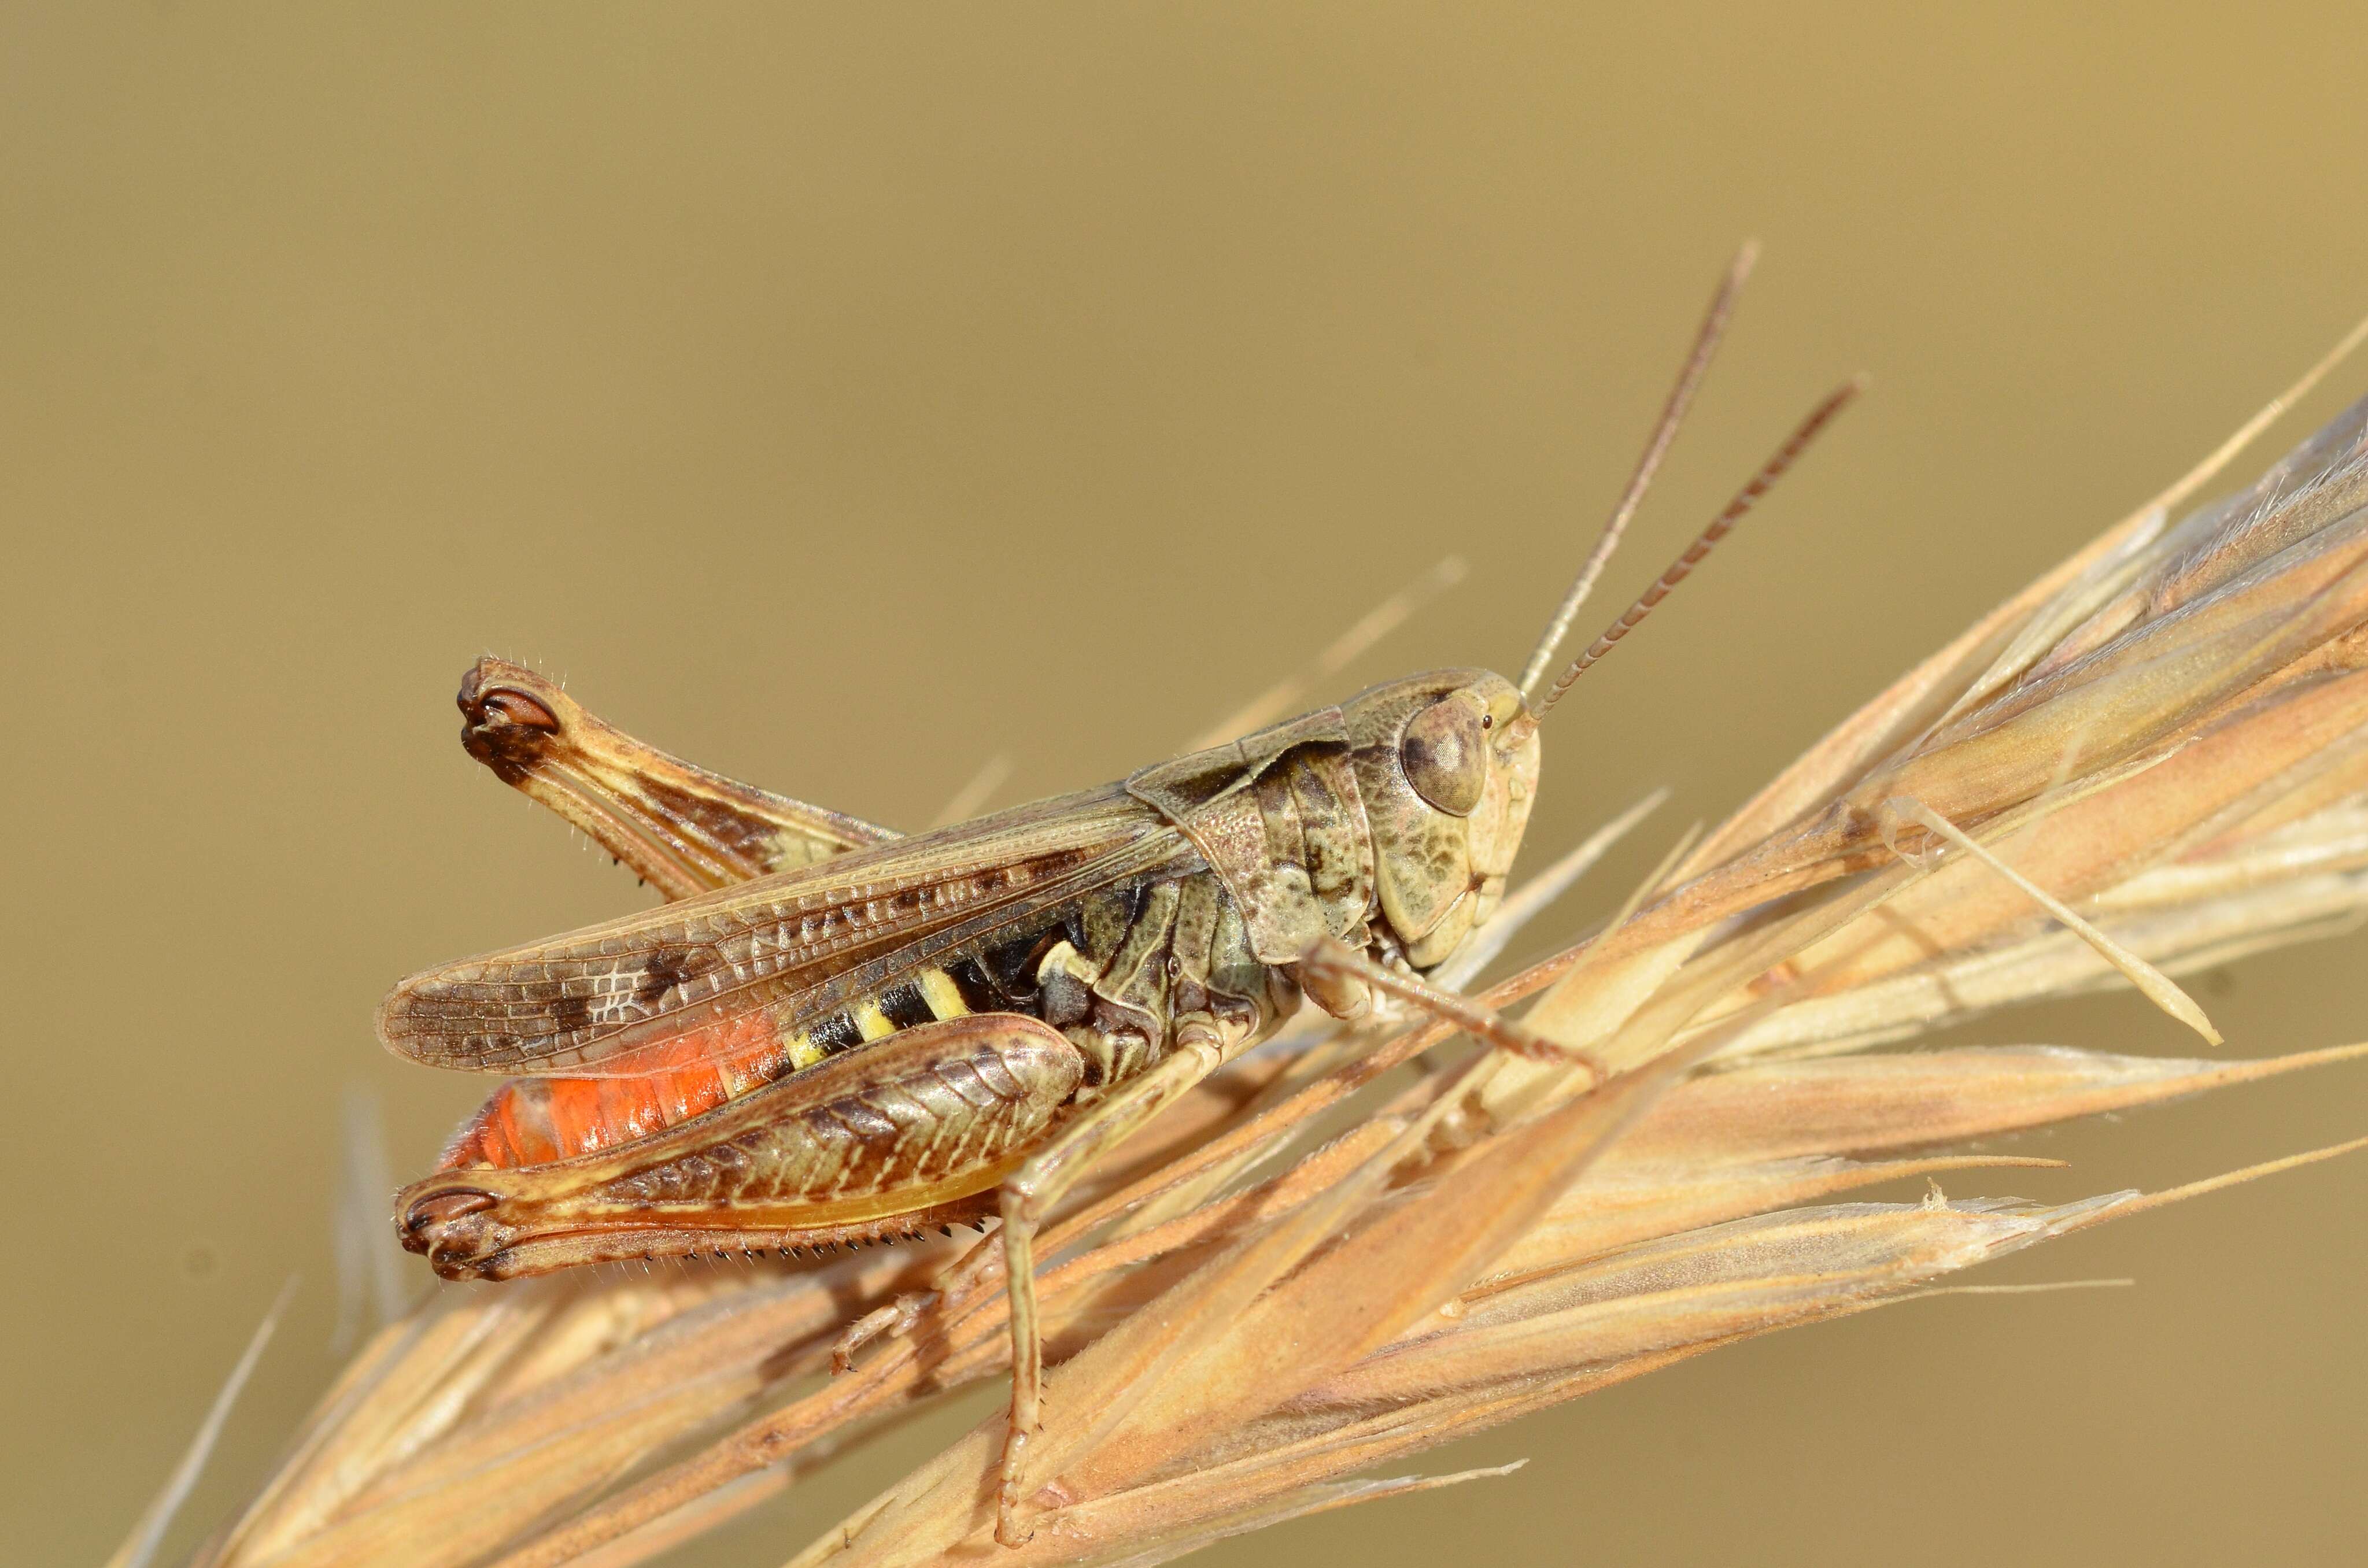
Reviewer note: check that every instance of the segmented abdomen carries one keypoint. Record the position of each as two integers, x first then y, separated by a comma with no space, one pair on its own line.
1115,973
532,1121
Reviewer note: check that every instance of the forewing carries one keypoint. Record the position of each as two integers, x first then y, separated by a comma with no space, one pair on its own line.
561,1004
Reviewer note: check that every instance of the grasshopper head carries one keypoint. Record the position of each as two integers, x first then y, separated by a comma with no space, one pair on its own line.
1447,763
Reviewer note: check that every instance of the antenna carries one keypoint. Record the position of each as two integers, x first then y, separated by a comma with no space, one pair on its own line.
1723,525
1673,413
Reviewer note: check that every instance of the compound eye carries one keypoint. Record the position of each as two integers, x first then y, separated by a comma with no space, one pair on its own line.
1445,753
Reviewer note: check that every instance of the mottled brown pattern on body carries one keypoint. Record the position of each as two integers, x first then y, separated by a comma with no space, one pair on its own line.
942,1003
769,942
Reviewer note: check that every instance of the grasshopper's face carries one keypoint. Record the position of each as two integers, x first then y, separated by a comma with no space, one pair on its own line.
1447,763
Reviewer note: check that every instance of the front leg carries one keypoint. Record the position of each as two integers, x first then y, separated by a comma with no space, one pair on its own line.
1341,964
1030,1192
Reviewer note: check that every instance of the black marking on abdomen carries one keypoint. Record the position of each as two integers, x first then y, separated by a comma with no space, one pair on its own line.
1010,966
978,994
834,1033
904,1006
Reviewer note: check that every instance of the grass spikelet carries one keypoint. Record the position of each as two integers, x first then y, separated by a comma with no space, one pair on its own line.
1337,1255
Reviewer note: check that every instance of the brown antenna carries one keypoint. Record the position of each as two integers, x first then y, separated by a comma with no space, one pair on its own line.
1723,524
1673,413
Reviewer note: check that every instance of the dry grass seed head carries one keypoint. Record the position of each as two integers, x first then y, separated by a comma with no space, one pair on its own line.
2164,733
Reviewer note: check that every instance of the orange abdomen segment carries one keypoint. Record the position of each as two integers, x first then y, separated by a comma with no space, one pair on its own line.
532,1121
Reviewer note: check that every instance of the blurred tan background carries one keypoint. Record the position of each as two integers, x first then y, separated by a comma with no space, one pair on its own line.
839,397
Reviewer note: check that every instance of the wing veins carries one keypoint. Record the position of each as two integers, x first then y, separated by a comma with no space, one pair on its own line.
550,1006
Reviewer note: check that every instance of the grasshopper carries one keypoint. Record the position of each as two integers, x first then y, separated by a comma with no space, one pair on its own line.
835,1035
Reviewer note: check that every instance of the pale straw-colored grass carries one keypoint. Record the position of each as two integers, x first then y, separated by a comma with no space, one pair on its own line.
2154,758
